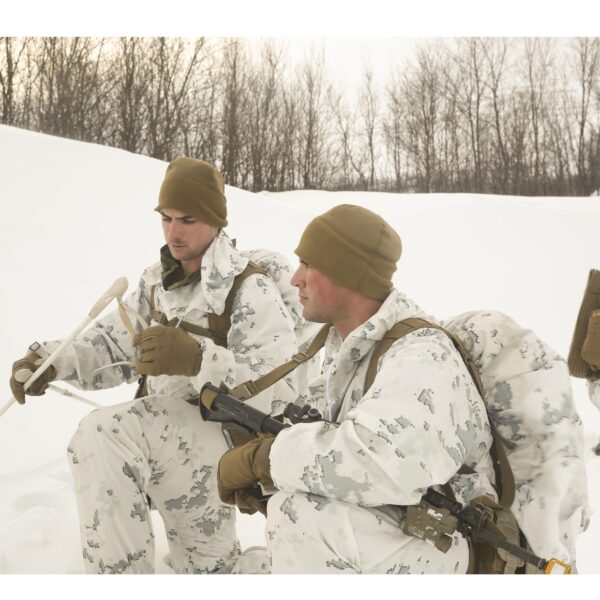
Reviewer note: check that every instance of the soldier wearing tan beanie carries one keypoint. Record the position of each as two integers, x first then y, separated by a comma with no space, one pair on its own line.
379,444
155,450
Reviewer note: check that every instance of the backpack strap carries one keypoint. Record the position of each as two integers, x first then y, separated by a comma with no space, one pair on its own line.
218,325
505,481
248,389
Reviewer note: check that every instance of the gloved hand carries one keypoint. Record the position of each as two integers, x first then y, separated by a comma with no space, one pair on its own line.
248,503
167,351
30,363
240,468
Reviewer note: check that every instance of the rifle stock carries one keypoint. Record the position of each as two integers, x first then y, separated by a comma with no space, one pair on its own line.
216,405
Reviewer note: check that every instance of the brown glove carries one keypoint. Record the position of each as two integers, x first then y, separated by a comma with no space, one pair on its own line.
242,467
30,363
167,351
248,503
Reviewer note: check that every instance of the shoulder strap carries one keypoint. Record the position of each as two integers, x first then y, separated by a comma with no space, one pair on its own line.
505,481
399,330
218,325
248,389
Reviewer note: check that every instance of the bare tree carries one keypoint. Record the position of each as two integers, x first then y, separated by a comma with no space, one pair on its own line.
352,164
421,92
495,51
265,115
69,86
289,172
467,85
12,51
235,98
368,103
131,72
201,137
314,103
538,64
393,128
502,115
173,67
587,58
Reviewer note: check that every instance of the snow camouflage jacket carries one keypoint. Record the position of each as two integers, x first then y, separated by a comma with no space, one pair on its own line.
420,421
257,342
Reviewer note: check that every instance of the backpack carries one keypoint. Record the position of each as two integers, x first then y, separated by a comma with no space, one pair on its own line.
537,450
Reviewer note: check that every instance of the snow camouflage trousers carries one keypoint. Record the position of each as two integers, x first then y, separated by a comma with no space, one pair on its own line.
307,533
158,447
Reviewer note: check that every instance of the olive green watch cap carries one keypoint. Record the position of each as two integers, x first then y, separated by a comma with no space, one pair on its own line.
195,188
354,247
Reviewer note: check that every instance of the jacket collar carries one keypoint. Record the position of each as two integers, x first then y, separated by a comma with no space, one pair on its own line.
220,265
172,275
396,307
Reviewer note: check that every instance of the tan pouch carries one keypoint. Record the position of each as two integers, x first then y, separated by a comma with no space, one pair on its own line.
590,351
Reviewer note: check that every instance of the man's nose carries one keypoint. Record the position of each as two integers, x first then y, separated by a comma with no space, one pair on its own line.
173,229
297,279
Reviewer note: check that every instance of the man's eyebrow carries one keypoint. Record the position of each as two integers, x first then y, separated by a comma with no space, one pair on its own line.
184,218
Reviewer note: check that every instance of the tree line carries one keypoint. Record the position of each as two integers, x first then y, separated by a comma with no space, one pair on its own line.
488,115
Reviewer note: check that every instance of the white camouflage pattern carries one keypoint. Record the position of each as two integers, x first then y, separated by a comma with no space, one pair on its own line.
341,484
530,402
159,446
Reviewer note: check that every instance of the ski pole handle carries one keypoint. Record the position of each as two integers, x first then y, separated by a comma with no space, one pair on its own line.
116,290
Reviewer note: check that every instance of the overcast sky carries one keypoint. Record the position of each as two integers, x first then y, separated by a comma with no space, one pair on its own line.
392,18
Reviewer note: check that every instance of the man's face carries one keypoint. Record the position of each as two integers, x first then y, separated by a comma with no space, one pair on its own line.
187,237
323,299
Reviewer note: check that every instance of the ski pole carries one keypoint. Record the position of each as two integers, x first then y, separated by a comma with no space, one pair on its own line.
116,290
70,394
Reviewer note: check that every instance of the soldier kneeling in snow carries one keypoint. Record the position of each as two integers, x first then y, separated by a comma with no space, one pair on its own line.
341,483
157,447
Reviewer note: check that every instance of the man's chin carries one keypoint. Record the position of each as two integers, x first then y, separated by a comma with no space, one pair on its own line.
312,317
178,253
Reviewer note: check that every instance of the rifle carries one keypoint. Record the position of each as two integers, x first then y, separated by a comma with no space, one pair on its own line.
434,519
218,406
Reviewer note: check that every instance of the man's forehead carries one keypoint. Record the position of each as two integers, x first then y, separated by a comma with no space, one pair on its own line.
173,213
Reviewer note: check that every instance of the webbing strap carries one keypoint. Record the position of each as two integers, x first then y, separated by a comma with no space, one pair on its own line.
249,389
505,481
218,325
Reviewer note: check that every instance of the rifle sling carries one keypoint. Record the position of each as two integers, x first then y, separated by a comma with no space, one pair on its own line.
248,389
